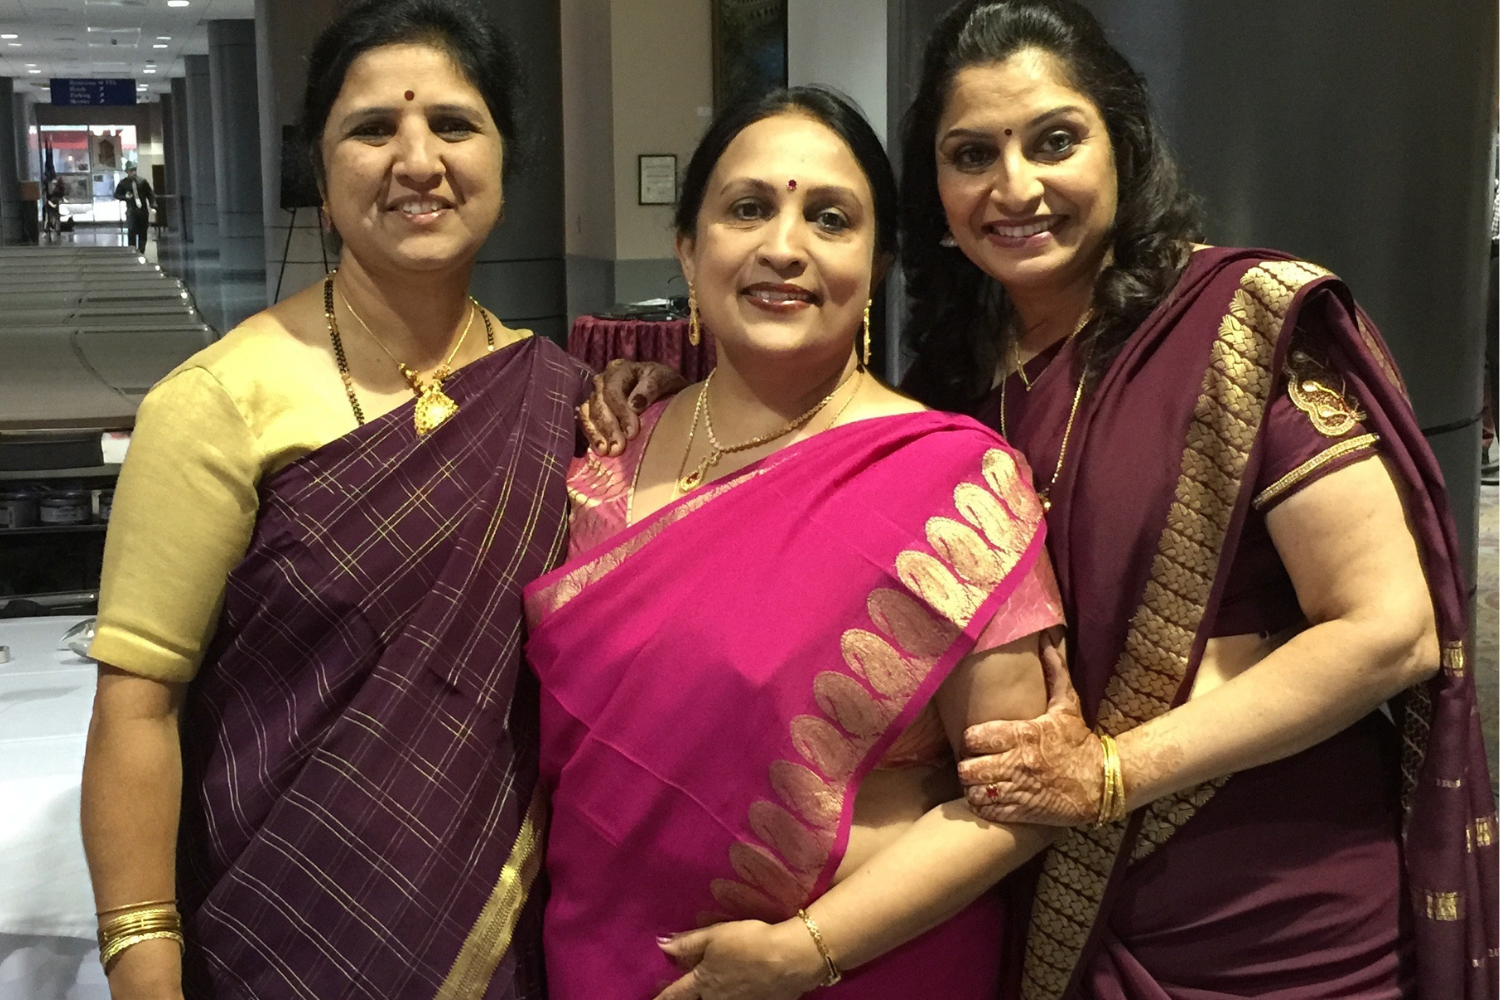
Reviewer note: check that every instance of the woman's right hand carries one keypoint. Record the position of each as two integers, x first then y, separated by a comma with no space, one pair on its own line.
608,421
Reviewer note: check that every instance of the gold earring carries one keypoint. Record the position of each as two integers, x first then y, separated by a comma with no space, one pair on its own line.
694,333
865,365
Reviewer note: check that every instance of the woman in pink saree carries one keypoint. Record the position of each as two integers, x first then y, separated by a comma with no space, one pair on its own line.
783,604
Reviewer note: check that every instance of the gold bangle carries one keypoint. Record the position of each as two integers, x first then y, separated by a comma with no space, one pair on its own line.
834,975
110,955
131,907
1112,799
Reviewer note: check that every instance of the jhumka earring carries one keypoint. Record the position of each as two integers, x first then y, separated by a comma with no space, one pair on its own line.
947,240
865,363
695,334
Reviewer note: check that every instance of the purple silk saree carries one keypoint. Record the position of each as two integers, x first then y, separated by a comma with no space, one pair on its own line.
1265,883
359,764
718,679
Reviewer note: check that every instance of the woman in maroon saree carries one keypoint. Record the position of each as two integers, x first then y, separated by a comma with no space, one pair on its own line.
309,738
1245,582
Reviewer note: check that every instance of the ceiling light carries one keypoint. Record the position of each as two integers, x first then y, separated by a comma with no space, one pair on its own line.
14,45
34,72
8,36
149,69
159,45
177,3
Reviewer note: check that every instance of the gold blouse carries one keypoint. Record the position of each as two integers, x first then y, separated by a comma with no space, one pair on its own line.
185,506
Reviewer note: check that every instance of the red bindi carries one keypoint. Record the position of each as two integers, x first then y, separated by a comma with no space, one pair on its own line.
791,185
412,97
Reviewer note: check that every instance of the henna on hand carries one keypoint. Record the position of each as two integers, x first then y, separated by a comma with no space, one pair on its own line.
610,417
1048,770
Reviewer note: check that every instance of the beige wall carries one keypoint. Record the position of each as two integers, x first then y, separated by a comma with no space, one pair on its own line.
662,66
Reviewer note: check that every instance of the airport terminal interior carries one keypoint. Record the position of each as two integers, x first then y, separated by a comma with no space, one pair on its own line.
1297,124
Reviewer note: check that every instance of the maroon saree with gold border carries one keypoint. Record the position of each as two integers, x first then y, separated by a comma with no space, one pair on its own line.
359,762
1147,517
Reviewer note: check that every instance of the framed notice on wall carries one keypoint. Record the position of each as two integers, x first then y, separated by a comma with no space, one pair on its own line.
658,179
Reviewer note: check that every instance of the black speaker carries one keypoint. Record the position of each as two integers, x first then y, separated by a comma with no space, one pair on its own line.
299,185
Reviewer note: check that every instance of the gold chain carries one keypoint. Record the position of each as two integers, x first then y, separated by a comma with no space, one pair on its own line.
1045,493
701,411
433,405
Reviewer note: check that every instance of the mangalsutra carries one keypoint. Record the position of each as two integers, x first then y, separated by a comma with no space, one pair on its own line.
717,449
434,406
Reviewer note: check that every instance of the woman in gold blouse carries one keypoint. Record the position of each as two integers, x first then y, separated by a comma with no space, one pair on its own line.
307,771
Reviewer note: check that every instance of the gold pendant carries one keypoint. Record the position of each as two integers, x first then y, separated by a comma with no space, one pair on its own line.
434,407
694,479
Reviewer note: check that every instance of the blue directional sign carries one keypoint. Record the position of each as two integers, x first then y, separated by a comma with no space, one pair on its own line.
83,93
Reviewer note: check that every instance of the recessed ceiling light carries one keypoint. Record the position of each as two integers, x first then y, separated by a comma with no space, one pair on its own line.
159,45
14,45
34,72
8,36
177,3
149,69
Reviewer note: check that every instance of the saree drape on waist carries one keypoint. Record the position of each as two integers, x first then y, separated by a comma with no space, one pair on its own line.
1236,886
359,764
718,679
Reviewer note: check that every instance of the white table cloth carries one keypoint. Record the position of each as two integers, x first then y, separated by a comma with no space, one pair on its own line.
47,949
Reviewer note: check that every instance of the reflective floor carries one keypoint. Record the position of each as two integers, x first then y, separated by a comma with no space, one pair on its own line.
1487,621
223,302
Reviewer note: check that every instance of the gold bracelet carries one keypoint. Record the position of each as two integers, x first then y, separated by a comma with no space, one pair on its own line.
133,927
132,907
834,975
1112,799
118,946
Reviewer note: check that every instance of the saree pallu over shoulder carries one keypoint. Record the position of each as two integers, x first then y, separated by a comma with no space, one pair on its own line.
718,679
1143,614
359,760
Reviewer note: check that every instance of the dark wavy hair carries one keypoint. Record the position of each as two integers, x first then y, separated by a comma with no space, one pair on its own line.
822,104
461,28
959,316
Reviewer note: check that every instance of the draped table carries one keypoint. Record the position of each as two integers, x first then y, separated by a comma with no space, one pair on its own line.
597,341
47,951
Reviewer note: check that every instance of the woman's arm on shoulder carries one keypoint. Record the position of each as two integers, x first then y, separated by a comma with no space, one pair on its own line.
607,419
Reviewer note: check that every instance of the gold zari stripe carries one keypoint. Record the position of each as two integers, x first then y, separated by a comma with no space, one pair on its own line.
1445,906
1158,648
490,936
1453,658
1307,468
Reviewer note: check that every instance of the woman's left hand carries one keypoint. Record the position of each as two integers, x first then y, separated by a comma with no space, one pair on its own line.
1048,770
744,960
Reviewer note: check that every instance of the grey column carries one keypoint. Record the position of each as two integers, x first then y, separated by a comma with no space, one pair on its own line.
169,161
182,155
1356,136
284,33
10,178
521,273
200,135
236,121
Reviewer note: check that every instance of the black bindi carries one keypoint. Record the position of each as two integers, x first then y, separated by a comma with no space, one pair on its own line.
1007,131
412,97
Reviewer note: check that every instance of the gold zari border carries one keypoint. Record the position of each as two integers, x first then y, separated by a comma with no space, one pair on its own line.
490,936
1453,657
1279,488
1445,906
1158,648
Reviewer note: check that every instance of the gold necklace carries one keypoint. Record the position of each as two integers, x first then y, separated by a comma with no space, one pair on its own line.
693,480
433,405
1015,351
1045,493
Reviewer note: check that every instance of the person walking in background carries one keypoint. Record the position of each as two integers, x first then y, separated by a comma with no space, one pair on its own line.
139,200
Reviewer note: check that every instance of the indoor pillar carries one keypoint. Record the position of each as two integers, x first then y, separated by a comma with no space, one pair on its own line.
236,124
200,136
10,178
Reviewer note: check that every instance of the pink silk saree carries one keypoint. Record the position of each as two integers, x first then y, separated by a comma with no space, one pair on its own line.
719,678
